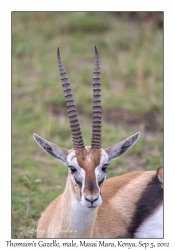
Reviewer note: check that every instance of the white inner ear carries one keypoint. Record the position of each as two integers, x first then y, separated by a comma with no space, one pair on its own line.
122,147
51,148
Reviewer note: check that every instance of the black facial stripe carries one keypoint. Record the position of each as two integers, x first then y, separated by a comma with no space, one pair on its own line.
102,178
151,198
77,181
101,181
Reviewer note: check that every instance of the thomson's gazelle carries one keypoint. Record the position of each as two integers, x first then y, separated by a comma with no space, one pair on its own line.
127,206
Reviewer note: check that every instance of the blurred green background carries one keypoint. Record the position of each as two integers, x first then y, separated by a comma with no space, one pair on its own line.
130,46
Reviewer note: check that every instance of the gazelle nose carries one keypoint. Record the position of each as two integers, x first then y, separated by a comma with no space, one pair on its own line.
92,199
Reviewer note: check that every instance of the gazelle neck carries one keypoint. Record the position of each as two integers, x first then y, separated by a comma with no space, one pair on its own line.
78,220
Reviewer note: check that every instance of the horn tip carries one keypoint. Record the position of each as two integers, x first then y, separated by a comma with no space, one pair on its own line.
96,54
58,55
96,51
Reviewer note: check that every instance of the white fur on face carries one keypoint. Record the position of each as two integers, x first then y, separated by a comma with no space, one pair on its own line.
81,173
100,175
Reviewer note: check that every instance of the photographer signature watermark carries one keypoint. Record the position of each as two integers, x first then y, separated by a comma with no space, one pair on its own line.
32,230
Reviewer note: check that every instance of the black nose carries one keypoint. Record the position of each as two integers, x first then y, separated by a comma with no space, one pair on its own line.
92,200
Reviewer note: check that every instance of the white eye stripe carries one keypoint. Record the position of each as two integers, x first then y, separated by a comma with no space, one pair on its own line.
78,178
100,174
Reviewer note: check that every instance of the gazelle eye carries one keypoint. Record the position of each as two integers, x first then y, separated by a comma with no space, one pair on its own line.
104,168
73,170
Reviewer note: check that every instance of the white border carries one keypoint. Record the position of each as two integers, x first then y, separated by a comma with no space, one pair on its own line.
5,97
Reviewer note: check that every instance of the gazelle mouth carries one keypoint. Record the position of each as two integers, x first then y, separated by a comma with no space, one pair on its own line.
91,204
91,207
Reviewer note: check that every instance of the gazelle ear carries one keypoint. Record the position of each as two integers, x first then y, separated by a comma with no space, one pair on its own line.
160,174
52,149
121,147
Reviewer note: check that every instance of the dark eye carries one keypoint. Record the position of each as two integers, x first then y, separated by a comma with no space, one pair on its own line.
104,168
73,170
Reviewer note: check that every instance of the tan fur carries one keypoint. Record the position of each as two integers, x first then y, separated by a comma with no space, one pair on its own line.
110,220
57,217
89,160
160,174
119,198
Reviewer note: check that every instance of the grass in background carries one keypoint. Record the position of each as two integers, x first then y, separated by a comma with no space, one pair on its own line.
130,49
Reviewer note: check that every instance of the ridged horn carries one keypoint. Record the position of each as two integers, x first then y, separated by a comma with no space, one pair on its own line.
73,118
96,125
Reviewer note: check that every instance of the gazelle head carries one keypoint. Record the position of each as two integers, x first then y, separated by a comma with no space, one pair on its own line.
87,165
